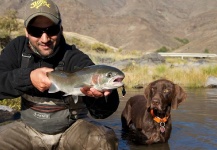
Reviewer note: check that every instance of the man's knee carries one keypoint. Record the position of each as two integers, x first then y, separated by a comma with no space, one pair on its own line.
102,137
90,135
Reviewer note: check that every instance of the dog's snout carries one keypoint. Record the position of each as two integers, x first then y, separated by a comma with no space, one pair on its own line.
155,102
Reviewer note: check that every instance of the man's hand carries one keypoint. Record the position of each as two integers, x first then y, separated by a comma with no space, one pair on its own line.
91,92
39,78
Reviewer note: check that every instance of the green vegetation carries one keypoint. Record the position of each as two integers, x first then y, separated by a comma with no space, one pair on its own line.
13,103
183,41
209,70
206,51
8,23
163,49
191,77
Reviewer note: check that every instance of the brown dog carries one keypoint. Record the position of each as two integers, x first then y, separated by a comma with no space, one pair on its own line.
148,115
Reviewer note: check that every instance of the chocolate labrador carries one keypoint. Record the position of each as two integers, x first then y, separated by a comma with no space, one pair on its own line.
148,116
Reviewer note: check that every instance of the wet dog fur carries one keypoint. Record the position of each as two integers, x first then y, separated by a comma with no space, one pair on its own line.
138,116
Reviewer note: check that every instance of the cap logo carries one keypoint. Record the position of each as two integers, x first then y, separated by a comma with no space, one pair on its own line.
39,3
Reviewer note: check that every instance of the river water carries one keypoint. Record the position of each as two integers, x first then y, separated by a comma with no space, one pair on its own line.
194,123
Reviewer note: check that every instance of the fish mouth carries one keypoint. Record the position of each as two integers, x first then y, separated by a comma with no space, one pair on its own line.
119,79
114,83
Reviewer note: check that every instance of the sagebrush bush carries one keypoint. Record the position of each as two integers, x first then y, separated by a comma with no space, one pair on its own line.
8,23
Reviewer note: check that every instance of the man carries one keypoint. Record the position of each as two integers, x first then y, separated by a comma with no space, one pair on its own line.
50,121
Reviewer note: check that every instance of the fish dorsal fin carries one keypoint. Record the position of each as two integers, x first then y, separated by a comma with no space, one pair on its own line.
53,88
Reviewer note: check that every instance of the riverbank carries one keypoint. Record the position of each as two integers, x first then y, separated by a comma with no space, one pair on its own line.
141,69
190,75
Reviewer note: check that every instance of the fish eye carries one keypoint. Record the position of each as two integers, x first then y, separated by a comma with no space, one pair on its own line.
109,75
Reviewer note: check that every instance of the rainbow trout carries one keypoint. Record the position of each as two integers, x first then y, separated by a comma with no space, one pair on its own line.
100,77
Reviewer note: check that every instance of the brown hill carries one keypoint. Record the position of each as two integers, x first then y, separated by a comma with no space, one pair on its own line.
139,24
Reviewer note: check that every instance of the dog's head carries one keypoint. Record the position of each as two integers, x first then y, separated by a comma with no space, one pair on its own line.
163,94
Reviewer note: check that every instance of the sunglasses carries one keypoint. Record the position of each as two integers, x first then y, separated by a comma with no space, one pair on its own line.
37,32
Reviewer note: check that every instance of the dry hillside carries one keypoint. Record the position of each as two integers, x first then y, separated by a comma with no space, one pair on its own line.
139,24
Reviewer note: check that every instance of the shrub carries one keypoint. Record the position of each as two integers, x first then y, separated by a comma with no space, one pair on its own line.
206,51
8,23
163,49
183,41
13,103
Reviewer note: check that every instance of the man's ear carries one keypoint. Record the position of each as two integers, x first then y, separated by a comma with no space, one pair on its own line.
26,33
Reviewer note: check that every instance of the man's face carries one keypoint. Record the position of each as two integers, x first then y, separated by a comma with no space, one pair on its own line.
43,42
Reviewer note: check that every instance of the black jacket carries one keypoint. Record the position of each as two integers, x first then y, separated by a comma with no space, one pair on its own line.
15,80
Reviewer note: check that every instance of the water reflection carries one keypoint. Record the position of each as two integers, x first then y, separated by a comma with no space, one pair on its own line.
194,123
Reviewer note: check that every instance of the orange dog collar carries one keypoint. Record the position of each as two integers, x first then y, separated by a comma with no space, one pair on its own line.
158,119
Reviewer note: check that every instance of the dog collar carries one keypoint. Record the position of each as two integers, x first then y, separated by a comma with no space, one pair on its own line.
158,119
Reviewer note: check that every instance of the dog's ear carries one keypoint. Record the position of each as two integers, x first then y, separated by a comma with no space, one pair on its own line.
147,95
179,97
126,115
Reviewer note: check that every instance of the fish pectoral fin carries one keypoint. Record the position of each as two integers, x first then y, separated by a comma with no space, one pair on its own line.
74,92
53,89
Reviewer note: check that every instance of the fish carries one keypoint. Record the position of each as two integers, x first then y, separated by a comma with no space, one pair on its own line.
100,77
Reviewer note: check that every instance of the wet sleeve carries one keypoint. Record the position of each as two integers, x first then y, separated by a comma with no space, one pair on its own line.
101,108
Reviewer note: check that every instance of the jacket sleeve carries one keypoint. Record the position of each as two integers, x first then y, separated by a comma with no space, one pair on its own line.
13,79
102,107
